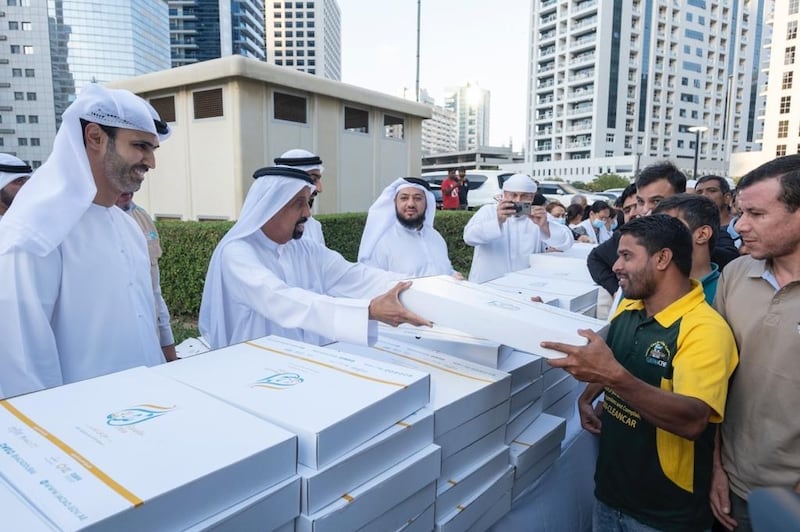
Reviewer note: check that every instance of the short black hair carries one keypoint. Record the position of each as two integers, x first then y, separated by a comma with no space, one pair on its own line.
659,231
629,191
573,210
787,170
599,206
696,210
662,170
724,187
111,131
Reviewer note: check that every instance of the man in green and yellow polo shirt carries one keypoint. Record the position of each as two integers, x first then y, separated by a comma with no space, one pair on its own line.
664,370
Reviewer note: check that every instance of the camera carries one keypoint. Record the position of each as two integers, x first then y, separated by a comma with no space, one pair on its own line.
522,208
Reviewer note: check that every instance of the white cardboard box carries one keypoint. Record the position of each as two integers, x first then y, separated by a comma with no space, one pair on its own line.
424,522
521,420
579,250
493,514
566,406
460,462
527,395
449,341
521,325
574,296
111,452
523,367
534,472
553,375
471,431
471,511
460,390
267,510
545,433
406,512
334,402
18,514
357,508
560,267
558,390
451,493
321,487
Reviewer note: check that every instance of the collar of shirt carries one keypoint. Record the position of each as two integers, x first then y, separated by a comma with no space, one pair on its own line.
675,310
763,269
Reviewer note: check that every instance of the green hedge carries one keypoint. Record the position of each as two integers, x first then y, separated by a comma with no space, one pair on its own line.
188,247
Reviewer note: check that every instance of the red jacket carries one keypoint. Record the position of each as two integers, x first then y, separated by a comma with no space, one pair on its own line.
449,194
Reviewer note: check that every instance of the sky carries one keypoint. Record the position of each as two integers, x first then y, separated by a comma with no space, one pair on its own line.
461,41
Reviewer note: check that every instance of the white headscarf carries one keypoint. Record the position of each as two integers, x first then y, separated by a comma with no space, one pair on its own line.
301,159
17,168
382,215
520,183
61,190
265,198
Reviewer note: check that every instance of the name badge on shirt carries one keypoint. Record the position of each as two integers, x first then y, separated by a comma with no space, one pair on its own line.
658,354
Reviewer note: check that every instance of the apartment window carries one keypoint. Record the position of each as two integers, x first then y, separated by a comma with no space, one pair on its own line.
609,137
786,104
301,62
278,53
2,142
15,49
276,5
20,119
289,53
791,30
289,107
26,26
279,62
27,50
165,107
22,141
30,96
356,120
794,6
208,103
278,34
16,72
780,150
393,127
19,96
35,141
290,62
783,129
788,55
786,82
13,25
30,73
33,119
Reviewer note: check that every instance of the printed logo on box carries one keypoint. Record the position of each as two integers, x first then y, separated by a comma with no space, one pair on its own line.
503,305
278,381
137,414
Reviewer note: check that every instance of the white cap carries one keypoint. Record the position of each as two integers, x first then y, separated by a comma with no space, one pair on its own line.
520,183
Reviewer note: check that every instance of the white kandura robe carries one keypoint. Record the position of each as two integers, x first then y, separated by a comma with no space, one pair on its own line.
83,310
298,290
507,248
313,230
411,252
592,233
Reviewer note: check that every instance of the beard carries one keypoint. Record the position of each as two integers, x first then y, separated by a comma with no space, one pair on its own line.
640,285
298,231
411,223
123,176
6,198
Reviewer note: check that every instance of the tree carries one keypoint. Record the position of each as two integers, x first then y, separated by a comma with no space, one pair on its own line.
606,181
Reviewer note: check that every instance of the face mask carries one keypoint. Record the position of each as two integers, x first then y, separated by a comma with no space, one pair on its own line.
614,224
561,221
598,223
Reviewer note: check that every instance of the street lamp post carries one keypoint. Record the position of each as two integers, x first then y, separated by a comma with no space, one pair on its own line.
696,130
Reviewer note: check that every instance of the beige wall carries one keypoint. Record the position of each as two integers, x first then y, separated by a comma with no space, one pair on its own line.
205,169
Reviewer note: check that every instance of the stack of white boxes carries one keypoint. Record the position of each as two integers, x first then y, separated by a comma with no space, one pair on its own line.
535,449
571,295
137,451
471,406
365,451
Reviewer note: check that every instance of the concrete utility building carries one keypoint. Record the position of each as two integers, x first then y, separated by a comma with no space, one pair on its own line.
233,115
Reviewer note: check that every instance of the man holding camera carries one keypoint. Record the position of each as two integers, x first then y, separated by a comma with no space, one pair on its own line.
506,233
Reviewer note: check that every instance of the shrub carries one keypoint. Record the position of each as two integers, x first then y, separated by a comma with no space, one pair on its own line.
188,247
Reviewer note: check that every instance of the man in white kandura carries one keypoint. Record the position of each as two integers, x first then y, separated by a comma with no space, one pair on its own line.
76,298
399,234
504,239
14,173
265,279
307,161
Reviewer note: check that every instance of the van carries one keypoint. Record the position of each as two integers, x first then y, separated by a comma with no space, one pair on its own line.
484,185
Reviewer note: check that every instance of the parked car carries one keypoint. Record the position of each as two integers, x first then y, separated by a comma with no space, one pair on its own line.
563,192
484,185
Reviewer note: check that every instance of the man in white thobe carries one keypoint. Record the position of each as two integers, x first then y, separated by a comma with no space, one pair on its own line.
307,161
265,279
14,173
76,299
504,239
399,234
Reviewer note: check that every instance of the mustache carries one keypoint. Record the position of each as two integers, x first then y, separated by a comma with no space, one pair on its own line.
302,220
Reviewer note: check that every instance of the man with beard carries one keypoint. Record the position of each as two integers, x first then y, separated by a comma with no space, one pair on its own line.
13,174
307,161
504,236
77,300
664,370
399,235
265,279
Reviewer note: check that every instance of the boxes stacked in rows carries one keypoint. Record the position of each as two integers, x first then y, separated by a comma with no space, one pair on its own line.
137,451
471,405
365,451
574,296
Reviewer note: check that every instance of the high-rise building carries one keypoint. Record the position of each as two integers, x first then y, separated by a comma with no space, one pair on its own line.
470,104
782,111
615,85
306,36
52,49
439,131
206,29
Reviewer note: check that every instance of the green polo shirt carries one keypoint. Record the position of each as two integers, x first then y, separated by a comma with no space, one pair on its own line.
655,476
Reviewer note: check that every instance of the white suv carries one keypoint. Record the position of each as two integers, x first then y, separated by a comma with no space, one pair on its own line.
484,185
563,193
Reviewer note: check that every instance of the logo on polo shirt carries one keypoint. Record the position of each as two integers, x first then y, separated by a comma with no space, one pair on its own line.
658,354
